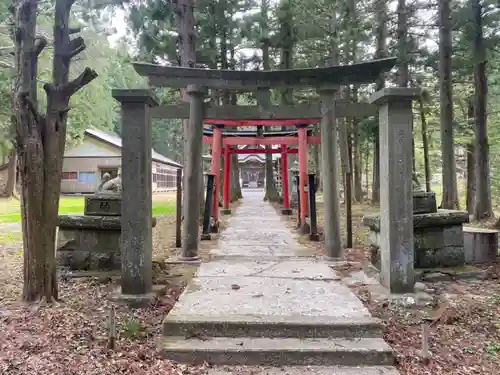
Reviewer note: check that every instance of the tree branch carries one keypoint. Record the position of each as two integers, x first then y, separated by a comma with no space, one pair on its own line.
40,44
87,76
74,30
74,47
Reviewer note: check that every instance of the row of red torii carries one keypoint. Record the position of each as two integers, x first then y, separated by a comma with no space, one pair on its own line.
221,144
139,107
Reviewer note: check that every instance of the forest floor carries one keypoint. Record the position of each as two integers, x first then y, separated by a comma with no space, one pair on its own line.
71,336
463,316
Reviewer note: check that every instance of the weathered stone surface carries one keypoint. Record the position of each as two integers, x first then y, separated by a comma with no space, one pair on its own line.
438,238
89,222
88,249
437,219
440,218
275,352
103,205
263,304
481,245
304,370
424,202
89,242
136,239
450,256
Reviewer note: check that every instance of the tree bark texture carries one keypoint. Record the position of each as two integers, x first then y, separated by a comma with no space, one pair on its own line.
403,77
471,179
427,168
184,10
483,207
449,181
381,50
40,139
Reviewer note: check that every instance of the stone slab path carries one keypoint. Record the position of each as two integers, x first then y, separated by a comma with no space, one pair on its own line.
264,300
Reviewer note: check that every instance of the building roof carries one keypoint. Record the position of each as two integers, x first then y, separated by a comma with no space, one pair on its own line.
114,139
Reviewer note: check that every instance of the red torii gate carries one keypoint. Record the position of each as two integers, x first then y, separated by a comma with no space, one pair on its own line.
221,145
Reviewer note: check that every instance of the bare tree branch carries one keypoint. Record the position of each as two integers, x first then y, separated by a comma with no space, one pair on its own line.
74,47
87,76
40,43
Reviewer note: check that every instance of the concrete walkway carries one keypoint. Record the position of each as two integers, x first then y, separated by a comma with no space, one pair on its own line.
263,300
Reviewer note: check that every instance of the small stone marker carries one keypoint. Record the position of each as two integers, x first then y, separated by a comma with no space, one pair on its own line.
103,205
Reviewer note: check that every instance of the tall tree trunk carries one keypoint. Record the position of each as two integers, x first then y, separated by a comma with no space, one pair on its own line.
381,49
40,139
483,207
187,52
427,167
471,179
449,180
358,188
271,190
287,37
403,76
235,168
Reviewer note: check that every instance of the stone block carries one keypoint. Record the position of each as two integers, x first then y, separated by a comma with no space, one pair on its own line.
88,249
433,246
433,238
103,205
450,256
481,245
424,202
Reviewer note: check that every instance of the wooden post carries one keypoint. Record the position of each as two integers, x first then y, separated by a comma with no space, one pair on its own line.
205,235
299,214
284,181
226,192
313,234
215,168
302,147
178,209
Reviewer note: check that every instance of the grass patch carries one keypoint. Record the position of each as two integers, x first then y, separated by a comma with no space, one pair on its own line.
10,211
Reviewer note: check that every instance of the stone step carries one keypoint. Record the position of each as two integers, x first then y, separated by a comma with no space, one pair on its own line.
278,351
302,370
280,327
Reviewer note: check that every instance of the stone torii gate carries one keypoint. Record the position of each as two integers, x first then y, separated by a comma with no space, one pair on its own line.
395,113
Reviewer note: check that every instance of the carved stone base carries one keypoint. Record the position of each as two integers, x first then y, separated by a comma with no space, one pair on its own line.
438,239
89,243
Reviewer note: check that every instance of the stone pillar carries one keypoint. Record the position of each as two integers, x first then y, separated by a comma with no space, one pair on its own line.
136,237
192,197
396,190
329,174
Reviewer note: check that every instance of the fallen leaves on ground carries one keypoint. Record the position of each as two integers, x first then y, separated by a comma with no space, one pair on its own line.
71,336
463,325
